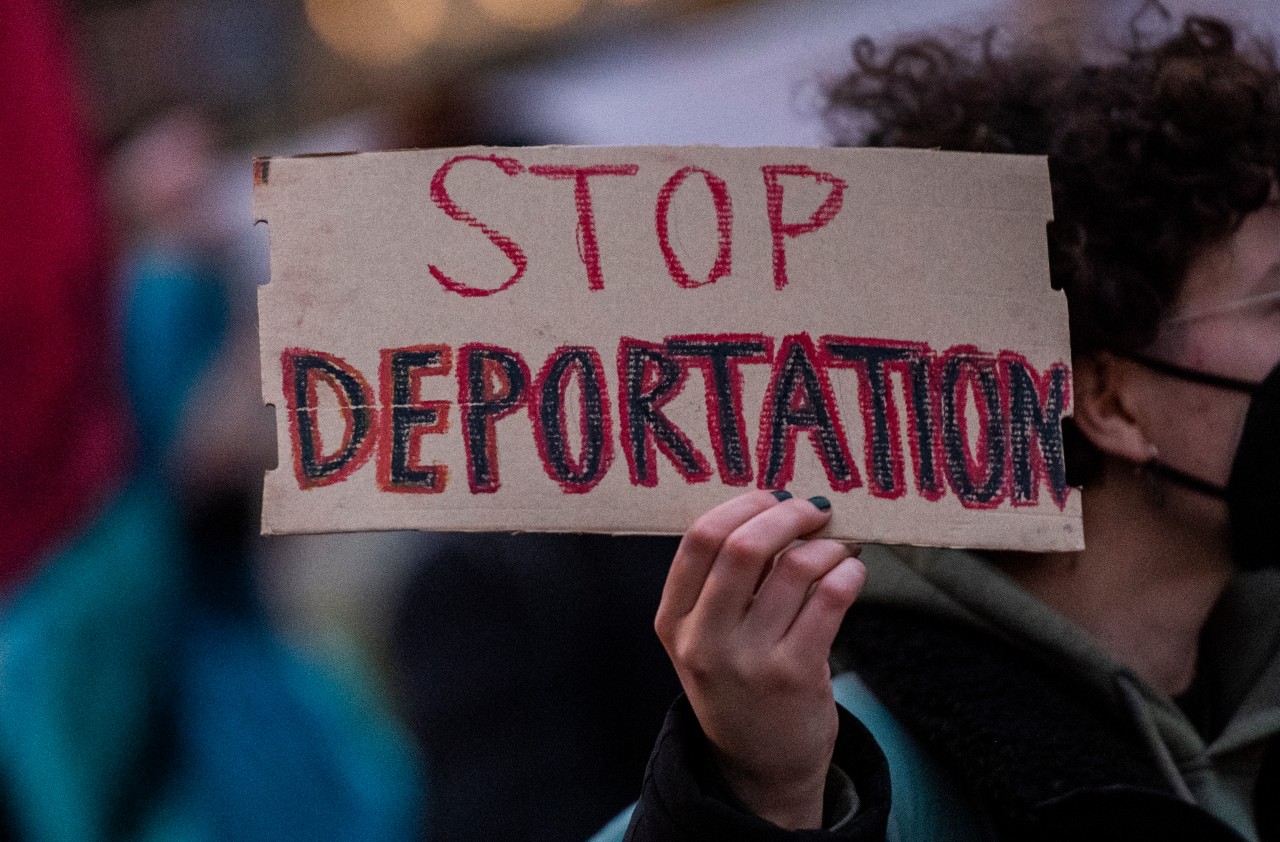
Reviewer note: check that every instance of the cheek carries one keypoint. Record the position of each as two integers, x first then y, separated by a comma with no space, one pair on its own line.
1201,431
1248,352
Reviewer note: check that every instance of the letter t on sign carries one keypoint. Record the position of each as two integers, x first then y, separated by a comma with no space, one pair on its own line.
588,243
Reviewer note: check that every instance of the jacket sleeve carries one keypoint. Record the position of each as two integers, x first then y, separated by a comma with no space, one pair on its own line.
684,796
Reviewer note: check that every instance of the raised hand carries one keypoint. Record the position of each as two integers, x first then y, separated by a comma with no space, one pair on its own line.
748,616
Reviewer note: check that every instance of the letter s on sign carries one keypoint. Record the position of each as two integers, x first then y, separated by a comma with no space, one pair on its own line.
445,202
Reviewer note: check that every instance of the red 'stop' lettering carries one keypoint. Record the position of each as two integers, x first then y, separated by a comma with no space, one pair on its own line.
724,227
588,243
780,230
445,202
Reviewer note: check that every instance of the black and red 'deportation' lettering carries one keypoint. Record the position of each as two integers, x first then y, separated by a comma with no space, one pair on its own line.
982,426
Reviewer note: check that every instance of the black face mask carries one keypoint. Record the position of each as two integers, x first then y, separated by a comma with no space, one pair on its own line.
1252,492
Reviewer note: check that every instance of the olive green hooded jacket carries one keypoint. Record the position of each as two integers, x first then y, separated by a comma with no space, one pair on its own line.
1207,747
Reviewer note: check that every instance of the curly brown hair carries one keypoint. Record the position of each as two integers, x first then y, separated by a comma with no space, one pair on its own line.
1151,157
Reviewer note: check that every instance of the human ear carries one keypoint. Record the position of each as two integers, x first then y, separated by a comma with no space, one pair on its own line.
1105,390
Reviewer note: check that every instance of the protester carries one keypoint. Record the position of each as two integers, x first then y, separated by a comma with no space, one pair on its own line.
1127,691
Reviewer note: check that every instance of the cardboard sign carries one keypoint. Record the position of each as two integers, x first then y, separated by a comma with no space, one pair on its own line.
617,339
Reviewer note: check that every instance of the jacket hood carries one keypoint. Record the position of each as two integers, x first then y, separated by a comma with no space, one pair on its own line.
1237,687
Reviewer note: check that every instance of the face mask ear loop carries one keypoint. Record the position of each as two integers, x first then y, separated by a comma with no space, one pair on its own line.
1193,483
1217,381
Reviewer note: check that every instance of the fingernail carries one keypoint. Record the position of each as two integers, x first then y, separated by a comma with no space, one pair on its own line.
822,504
782,495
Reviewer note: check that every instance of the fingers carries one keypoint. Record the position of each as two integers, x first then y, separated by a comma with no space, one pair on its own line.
698,550
818,621
787,585
747,552
748,616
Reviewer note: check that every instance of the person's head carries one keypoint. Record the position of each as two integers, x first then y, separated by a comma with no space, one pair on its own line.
1166,215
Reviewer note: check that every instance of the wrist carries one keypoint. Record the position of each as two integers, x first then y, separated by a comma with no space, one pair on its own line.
791,802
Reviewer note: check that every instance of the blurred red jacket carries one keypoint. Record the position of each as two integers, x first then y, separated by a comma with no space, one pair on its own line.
63,429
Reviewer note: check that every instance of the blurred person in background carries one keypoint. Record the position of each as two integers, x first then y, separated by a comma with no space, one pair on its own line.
1128,691
532,680
142,693
525,664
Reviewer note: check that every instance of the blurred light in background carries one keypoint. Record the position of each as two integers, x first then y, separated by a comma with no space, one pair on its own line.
269,68
378,32
533,15
748,75
385,33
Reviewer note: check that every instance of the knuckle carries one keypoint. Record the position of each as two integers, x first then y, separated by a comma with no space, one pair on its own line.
682,650
830,548
663,627
781,675
800,563
742,548
692,671
811,560
700,669
691,657
836,593
701,539
792,571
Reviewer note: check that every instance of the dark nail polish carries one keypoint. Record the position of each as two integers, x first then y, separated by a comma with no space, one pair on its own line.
782,495
821,503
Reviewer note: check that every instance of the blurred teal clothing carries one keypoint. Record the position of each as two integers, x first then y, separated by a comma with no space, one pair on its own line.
143,695
176,314
132,709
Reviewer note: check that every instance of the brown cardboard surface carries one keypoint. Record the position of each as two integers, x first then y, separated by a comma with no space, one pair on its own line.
876,326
